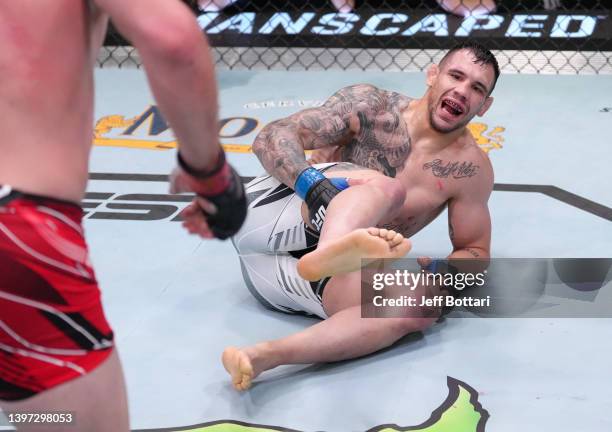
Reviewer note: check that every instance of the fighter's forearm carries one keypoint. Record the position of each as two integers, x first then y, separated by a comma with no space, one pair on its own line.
280,145
180,70
281,152
186,94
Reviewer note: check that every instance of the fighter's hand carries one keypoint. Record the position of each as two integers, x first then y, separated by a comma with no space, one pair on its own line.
220,206
179,181
429,264
424,262
193,217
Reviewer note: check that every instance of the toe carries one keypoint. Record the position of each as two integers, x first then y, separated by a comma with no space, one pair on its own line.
397,240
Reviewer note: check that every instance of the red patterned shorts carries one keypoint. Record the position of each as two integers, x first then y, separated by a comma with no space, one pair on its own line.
52,326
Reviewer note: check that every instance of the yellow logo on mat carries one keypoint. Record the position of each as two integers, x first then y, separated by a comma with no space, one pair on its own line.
460,412
487,140
150,131
109,123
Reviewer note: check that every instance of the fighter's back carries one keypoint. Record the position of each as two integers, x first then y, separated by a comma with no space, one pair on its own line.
46,94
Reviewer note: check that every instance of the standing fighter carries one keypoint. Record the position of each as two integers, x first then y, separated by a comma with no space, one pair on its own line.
423,143
56,347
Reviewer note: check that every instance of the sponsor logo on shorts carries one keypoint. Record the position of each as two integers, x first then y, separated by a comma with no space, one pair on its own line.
319,218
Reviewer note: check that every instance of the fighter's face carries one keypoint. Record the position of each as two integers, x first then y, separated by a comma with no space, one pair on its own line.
459,90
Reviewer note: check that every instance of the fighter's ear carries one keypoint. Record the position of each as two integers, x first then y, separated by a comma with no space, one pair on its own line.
432,73
485,107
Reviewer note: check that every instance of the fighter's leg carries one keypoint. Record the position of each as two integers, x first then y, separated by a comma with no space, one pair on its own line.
344,241
344,335
56,347
97,400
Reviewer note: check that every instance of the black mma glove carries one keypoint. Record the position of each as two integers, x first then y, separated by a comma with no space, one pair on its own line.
222,187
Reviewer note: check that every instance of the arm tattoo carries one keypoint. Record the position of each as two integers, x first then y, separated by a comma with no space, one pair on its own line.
382,142
403,227
280,152
344,166
280,145
457,170
473,252
364,121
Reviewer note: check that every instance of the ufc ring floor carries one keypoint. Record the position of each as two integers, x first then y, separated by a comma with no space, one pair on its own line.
176,301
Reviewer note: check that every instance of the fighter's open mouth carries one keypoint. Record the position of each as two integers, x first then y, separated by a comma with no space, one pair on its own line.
452,107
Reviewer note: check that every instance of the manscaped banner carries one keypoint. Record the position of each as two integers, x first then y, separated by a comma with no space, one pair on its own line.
540,30
588,30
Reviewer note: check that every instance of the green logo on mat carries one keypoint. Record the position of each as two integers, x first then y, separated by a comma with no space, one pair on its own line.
460,412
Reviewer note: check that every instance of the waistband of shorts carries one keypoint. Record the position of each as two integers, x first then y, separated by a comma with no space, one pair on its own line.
10,196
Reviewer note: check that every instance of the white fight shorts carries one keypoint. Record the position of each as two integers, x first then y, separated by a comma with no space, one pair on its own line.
269,244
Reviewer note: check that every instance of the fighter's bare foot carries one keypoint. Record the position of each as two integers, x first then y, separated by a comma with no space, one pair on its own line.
344,255
238,364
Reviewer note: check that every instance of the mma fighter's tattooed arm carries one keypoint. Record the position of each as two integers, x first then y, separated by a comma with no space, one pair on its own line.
469,222
280,145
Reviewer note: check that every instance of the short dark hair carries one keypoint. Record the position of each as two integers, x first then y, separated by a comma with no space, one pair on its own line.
481,54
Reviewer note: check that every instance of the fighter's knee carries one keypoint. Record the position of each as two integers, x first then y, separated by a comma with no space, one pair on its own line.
392,189
396,192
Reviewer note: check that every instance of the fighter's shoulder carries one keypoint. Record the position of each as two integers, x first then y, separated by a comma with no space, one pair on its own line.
355,94
480,156
397,100
369,97
360,89
480,164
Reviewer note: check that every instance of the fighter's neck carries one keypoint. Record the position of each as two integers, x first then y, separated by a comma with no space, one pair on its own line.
422,135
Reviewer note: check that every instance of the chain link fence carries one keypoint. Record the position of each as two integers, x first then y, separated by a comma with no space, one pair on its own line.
527,36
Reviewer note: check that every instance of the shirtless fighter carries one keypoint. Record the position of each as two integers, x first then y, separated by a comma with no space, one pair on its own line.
422,143
56,347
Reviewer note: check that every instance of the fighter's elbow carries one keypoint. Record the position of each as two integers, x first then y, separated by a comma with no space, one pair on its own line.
258,146
262,142
176,39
